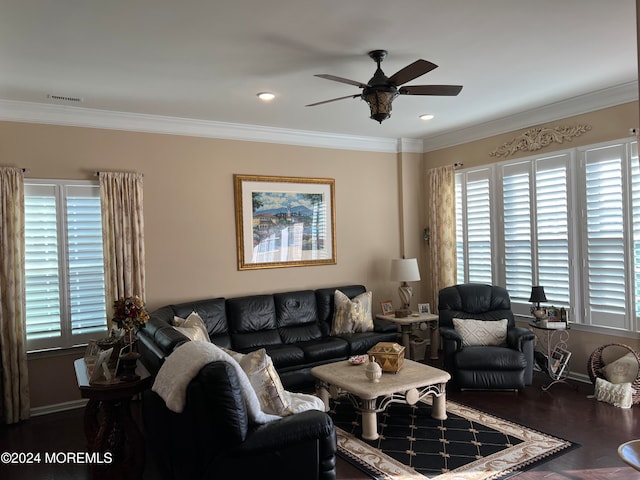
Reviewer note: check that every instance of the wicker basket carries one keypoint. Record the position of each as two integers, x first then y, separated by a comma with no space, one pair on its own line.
596,363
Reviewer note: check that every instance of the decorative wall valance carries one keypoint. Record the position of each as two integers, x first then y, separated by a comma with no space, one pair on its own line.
539,137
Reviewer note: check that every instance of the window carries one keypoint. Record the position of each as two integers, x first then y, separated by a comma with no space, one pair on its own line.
569,222
474,212
64,267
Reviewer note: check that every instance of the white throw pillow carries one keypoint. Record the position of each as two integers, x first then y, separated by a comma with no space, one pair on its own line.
617,394
623,370
266,382
481,332
351,316
192,327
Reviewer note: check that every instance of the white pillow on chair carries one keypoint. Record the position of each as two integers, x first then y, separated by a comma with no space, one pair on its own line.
481,332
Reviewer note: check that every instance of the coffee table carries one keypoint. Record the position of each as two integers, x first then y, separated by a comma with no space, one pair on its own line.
412,383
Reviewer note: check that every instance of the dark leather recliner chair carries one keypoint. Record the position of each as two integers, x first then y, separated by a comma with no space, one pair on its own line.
484,367
212,437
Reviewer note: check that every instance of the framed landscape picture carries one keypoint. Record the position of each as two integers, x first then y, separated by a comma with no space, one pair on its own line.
284,221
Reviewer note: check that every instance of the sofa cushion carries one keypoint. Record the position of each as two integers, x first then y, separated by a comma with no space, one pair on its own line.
324,349
361,343
324,301
622,370
266,382
211,311
252,322
192,327
490,358
617,394
284,355
351,316
295,308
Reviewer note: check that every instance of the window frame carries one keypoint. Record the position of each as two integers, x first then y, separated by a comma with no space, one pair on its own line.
61,190
577,231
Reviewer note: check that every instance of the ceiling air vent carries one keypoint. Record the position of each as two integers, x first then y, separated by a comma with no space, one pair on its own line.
64,98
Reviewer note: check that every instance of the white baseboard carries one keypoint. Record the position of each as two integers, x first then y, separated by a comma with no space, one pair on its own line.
58,407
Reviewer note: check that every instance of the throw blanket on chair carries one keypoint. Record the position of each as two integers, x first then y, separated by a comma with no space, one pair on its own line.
183,365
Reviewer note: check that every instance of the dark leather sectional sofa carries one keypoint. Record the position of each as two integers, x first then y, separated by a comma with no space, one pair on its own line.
212,437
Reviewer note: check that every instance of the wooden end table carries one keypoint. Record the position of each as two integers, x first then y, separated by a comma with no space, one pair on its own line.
406,326
109,426
412,383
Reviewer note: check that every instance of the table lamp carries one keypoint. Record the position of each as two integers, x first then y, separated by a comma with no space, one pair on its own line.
405,270
537,296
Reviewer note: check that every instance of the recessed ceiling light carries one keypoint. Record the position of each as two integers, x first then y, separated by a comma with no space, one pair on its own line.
266,96
426,116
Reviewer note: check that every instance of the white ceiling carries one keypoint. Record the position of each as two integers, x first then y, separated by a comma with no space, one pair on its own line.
206,59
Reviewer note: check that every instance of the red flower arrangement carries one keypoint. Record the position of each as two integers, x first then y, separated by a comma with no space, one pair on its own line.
129,314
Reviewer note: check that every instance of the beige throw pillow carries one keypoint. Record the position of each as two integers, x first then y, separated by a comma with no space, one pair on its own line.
192,327
623,370
617,394
480,332
351,316
266,382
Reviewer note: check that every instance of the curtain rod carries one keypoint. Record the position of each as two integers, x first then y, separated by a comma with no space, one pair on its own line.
97,174
458,165
25,170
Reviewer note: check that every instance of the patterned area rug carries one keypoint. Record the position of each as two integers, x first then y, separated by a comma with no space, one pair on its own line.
468,445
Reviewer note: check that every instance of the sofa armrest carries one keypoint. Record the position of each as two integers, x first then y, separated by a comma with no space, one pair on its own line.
305,441
517,337
299,427
381,325
451,338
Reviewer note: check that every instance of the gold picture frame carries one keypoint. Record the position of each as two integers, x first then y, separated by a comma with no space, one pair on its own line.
284,221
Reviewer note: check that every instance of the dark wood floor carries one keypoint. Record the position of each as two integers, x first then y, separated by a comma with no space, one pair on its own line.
565,411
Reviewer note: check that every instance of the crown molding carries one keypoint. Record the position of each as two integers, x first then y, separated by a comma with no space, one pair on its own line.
31,112
608,97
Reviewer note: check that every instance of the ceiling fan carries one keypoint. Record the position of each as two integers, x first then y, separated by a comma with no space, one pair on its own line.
381,90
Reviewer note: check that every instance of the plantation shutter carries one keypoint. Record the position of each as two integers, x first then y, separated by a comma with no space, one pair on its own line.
635,194
477,227
42,273
516,187
553,228
86,264
605,243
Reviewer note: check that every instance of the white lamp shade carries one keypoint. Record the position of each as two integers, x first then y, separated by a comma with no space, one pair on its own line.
405,270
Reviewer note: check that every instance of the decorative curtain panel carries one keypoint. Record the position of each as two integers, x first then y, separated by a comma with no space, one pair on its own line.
441,209
16,404
123,236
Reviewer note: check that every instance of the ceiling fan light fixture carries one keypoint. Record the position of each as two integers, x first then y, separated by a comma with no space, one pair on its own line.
266,96
426,116
380,101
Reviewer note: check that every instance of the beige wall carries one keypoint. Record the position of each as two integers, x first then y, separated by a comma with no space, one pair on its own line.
607,124
189,214
190,223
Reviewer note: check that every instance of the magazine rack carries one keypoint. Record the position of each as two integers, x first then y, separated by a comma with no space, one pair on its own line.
552,355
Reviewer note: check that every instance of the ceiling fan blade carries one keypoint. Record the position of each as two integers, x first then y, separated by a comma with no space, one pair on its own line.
332,100
341,80
414,70
450,90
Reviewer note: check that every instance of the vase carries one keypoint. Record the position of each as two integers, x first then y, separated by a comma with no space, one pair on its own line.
373,370
128,362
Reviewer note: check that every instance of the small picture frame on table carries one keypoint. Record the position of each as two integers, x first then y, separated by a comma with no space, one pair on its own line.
387,307
424,308
101,372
